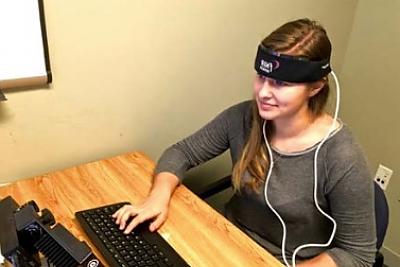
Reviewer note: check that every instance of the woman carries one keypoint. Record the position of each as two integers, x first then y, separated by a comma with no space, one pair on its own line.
273,140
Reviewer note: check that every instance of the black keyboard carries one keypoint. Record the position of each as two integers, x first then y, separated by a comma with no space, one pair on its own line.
139,248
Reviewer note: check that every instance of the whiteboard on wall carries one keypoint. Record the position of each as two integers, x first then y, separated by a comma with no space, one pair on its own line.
24,58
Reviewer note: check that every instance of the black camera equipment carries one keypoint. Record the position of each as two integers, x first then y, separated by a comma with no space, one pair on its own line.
25,233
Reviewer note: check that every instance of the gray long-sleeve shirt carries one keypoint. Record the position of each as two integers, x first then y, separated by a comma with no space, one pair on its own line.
344,190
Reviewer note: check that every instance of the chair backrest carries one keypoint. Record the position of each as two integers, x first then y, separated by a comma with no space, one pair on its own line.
381,215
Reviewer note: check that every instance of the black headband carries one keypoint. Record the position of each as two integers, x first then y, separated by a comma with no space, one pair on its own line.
289,68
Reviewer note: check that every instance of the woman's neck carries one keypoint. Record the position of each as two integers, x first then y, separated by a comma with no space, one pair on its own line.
294,126
300,133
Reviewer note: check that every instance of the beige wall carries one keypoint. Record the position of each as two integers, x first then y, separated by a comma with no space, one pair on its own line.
139,75
371,82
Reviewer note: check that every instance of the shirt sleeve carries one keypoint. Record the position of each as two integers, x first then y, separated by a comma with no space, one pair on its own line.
205,144
351,195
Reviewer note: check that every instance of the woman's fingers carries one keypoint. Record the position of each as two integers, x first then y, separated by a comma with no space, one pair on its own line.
124,218
118,213
123,214
160,219
153,208
135,222
142,217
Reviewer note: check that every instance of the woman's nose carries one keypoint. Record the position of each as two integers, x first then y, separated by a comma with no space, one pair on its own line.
265,90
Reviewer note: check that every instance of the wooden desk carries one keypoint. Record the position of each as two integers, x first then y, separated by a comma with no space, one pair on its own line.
197,232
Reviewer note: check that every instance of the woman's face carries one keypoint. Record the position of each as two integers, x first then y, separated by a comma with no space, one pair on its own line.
280,100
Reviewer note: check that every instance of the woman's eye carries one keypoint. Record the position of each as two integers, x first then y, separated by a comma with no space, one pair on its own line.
280,83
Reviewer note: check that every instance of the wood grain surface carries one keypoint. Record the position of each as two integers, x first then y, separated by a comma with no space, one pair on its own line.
196,231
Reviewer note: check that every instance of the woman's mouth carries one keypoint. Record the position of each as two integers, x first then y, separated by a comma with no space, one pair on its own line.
266,106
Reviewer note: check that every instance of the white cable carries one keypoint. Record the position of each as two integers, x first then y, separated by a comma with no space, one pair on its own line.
271,165
315,185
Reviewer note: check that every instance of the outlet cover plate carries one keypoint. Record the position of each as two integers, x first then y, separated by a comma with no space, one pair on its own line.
382,176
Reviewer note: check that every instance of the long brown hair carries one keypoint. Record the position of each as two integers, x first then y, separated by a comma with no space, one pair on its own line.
305,38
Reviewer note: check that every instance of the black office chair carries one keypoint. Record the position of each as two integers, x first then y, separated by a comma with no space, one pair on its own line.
382,221
381,210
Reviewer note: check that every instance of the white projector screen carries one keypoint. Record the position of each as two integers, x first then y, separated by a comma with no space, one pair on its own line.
24,57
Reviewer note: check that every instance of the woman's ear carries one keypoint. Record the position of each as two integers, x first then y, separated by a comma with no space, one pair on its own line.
316,87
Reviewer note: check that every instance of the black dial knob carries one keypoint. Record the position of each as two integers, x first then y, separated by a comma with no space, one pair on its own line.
47,217
33,204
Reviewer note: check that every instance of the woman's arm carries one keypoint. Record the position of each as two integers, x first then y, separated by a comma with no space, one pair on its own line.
210,141
350,191
322,260
205,144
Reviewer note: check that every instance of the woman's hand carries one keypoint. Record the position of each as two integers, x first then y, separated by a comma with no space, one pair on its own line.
154,207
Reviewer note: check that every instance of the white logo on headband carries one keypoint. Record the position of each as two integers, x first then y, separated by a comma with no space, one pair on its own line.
93,263
268,67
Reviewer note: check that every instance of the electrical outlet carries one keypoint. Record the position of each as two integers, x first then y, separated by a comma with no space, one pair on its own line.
382,176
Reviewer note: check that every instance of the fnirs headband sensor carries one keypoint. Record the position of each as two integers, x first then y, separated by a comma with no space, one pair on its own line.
289,68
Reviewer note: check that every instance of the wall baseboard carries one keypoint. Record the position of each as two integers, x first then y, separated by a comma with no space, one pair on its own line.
392,259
